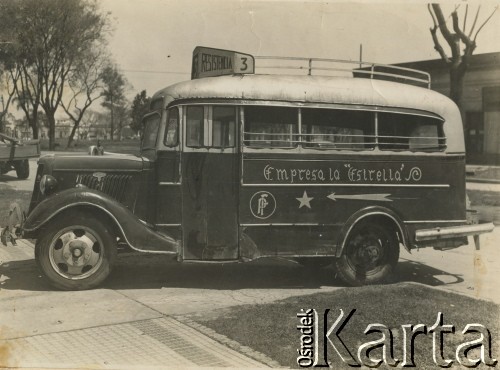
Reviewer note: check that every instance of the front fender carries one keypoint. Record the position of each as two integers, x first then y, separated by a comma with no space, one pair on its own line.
133,231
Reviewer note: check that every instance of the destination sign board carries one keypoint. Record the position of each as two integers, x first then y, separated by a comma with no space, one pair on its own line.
209,62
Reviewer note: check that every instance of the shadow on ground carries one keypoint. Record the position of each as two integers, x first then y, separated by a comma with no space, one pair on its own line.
155,272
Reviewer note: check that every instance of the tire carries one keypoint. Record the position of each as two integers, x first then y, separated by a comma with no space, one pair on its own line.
77,251
22,169
370,255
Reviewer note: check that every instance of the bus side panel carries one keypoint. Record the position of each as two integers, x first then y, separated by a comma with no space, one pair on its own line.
286,210
294,240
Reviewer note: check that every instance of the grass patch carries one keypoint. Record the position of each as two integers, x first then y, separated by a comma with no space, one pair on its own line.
271,328
487,173
9,196
484,198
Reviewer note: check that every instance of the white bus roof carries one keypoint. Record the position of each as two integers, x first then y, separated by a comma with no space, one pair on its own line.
323,90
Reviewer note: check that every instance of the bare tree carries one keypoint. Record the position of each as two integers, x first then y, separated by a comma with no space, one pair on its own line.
459,60
86,86
51,36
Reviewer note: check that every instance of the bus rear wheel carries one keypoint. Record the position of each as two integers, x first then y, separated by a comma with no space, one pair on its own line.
370,255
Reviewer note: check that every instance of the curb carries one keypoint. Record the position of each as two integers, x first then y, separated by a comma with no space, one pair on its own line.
479,180
443,289
234,345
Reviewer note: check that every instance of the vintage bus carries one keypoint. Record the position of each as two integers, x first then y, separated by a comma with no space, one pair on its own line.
237,165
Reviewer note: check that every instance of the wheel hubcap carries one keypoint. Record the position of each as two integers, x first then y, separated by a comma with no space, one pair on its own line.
76,253
366,250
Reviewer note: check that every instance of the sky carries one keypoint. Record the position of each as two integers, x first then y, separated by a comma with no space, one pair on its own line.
153,40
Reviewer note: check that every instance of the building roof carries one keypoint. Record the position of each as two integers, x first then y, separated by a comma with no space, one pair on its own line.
476,61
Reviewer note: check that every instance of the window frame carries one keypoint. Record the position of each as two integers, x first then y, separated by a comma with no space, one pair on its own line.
369,145
146,117
441,138
373,145
297,135
179,119
211,126
204,125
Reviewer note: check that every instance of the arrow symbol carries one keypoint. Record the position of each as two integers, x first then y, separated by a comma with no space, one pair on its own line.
376,197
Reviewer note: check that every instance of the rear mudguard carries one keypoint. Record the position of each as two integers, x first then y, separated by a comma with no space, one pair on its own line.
372,211
133,231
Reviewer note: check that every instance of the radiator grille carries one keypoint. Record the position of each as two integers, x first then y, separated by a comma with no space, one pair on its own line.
112,185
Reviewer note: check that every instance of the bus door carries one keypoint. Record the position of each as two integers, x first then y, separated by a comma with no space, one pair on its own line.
168,170
210,169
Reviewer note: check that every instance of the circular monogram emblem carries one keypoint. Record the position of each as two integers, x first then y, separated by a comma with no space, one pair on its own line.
262,204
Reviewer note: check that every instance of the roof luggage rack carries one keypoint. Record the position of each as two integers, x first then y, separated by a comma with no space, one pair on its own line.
337,67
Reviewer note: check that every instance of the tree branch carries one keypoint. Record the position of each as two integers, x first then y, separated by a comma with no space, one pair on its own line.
437,44
451,38
475,21
470,45
486,21
465,16
441,23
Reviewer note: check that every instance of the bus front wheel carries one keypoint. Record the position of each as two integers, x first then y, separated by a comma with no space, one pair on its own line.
370,255
76,251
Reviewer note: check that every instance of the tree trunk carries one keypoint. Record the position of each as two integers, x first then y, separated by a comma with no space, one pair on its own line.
35,131
457,85
457,75
72,134
33,122
2,123
52,130
112,119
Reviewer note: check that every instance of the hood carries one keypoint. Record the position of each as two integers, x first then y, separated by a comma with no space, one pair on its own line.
105,163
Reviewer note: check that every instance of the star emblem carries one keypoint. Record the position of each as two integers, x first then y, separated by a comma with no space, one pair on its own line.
305,201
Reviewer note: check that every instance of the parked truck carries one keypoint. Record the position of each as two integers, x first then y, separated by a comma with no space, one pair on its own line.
14,155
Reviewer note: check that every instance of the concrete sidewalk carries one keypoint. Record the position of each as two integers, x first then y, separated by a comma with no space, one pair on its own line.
102,328
155,343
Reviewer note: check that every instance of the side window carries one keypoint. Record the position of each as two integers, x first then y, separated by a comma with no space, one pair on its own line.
338,129
172,131
398,131
194,126
275,127
223,127
151,125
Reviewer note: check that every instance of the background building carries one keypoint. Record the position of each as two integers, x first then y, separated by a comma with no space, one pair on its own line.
481,103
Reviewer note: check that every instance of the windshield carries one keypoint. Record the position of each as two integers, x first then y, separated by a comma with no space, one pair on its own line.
150,134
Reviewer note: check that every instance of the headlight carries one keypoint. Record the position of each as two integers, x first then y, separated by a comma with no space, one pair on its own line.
48,184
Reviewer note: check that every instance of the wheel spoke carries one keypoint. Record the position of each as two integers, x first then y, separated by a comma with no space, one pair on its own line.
67,237
74,270
93,258
88,239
